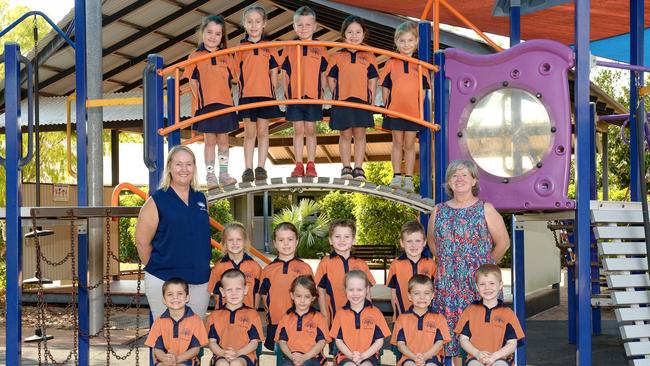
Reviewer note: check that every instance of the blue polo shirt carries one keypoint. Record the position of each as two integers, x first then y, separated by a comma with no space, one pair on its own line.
181,244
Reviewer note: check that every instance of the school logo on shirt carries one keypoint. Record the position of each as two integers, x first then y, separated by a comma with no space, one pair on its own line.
244,321
430,326
201,206
186,332
297,271
310,326
368,322
499,321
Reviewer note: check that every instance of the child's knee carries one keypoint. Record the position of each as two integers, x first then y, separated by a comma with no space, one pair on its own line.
238,362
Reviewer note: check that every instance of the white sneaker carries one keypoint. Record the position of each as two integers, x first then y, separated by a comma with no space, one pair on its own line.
396,183
211,180
408,185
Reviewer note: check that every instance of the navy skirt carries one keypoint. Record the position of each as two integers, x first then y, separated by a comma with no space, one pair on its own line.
399,124
262,112
343,118
220,124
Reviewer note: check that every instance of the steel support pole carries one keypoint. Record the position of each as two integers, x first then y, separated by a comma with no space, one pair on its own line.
173,138
583,158
96,230
515,22
425,135
519,283
440,92
636,58
82,174
154,105
14,258
595,269
604,161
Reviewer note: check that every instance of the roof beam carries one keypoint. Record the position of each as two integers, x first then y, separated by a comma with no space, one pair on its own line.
327,154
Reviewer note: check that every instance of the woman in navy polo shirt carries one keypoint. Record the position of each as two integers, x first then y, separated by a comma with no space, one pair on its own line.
173,234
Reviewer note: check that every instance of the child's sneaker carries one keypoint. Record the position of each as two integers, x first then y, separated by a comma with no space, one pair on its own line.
408,185
260,173
248,176
298,171
225,179
396,183
311,169
346,172
359,174
211,181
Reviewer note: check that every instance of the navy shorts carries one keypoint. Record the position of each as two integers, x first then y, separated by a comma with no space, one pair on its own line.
434,360
304,112
215,358
343,118
374,360
255,113
399,124
220,124
269,342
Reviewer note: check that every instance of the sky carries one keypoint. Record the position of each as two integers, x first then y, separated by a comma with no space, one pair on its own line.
55,10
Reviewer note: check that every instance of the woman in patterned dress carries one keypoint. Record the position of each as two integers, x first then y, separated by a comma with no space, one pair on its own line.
464,233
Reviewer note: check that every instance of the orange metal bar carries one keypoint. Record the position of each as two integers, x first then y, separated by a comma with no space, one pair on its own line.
191,121
427,7
436,26
465,21
299,71
177,101
170,69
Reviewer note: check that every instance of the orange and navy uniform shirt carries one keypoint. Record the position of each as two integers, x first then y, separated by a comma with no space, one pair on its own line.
235,328
214,76
302,332
252,271
420,333
401,78
489,329
330,276
352,70
255,66
177,337
276,278
400,272
358,330
313,62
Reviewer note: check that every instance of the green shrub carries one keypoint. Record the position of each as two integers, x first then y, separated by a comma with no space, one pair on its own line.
3,275
128,252
337,205
221,212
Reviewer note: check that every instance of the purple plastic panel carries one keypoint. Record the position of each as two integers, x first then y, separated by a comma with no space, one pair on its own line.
537,71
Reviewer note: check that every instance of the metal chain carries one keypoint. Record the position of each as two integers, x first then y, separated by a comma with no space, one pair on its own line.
560,232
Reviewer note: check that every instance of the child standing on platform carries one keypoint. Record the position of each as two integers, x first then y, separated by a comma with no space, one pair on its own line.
489,330
168,347
400,86
359,328
303,332
234,241
352,77
210,82
313,63
235,330
330,274
419,334
412,262
277,277
257,83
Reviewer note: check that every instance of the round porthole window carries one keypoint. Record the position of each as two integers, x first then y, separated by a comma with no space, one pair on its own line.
508,132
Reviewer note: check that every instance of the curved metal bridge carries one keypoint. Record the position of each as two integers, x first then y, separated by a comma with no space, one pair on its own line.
412,200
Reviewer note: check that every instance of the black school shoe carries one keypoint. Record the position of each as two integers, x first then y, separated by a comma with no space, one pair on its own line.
260,173
248,176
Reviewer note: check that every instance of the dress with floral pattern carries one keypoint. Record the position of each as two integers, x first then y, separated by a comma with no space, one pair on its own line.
463,243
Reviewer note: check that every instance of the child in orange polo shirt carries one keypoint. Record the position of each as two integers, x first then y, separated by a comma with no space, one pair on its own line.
234,241
412,240
277,277
178,334
419,334
210,82
352,77
303,332
257,83
399,84
489,330
313,63
235,330
359,328
330,274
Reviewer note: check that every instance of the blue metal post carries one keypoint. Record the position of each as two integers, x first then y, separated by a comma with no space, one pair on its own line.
595,270
425,135
519,283
154,105
266,222
82,183
13,329
440,92
636,58
173,138
583,151
571,301
515,23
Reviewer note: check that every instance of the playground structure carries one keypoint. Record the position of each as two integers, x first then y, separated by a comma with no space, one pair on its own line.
545,177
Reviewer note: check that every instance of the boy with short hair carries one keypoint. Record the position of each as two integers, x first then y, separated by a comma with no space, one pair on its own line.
330,274
235,330
313,64
488,330
420,334
412,240
178,334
